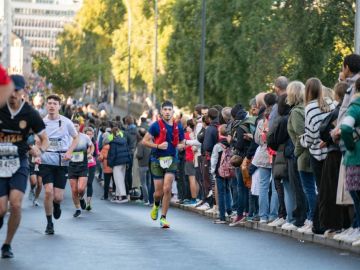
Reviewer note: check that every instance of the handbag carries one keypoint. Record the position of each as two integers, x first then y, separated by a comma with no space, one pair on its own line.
280,167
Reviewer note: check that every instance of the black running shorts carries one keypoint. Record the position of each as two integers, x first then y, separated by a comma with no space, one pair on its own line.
78,170
52,174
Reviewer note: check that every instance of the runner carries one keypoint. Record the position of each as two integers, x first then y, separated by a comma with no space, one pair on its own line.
55,161
35,178
89,131
17,118
164,137
78,169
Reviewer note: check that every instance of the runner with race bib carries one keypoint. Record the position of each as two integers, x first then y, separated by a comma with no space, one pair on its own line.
63,139
78,169
164,137
17,119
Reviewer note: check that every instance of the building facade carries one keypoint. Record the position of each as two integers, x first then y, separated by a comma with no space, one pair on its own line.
40,21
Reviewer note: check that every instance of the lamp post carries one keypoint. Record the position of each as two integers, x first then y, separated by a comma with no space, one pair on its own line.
202,52
155,54
129,55
357,27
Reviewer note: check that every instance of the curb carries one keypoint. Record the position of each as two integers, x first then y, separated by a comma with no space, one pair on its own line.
311,238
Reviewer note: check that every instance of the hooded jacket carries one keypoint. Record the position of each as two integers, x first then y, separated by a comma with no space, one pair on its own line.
348,125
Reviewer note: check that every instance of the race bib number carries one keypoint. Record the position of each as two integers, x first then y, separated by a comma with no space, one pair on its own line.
9,166
77,157
9,160
165,162
55,145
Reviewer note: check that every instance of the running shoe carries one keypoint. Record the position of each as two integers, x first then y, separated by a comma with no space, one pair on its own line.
49,229
154,212
77,213
6,252
56,210
82,203
1,221
31,195
237,221
35,203
88,207
164,223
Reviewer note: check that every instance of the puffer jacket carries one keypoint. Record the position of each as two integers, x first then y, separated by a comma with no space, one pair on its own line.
119,153
104,158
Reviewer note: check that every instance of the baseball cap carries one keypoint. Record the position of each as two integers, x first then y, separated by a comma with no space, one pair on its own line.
19,81
4,78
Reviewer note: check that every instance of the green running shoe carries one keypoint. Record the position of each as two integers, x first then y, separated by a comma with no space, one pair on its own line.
164,224
154,212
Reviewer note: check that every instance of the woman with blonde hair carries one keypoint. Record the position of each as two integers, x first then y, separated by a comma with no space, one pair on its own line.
296,127
316,110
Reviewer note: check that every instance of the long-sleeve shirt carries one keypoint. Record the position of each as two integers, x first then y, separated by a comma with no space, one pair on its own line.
313,119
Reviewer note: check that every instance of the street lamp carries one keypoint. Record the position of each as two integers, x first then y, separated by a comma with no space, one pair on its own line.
202,52
129,54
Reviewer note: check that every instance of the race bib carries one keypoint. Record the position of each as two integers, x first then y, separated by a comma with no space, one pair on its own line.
55,145
165,162
9,160
77,157
9,166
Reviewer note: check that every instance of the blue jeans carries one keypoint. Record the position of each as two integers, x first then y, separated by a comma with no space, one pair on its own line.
224,196
355,195
274,201
253,205
308,184
265,175
243,194
289,201
235,193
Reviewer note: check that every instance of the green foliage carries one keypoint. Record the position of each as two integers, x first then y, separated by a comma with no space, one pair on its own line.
248,44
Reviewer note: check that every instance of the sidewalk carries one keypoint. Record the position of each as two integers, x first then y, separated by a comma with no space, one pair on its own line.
311,238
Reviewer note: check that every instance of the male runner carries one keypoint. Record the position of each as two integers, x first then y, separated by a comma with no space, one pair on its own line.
78,169
63,139
164,137
17,118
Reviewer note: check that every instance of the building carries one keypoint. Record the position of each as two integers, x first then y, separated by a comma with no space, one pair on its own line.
20,56
40,21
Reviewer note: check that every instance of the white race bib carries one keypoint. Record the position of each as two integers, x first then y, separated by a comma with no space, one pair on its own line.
9,166
55,145
165,162
77,157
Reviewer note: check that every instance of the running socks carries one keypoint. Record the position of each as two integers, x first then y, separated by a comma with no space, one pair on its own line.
163,216
49,219
56,210
1,221
157,204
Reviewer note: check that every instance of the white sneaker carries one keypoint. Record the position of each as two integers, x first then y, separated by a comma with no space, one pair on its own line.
356,243
308,230
277,222
354,236
344,234
200,203
306,226
122,201
289,227
204,207
263,221
273,223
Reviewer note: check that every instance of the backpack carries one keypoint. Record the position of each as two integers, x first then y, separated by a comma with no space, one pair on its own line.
226,170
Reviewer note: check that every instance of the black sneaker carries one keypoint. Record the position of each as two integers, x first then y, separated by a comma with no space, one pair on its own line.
88,207
6,252
49,229
56,210
82,204
1,221
77,213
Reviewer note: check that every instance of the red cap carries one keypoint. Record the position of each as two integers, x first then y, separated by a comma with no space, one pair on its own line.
4,78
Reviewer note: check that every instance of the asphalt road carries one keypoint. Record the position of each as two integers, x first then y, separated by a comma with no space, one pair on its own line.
114,236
